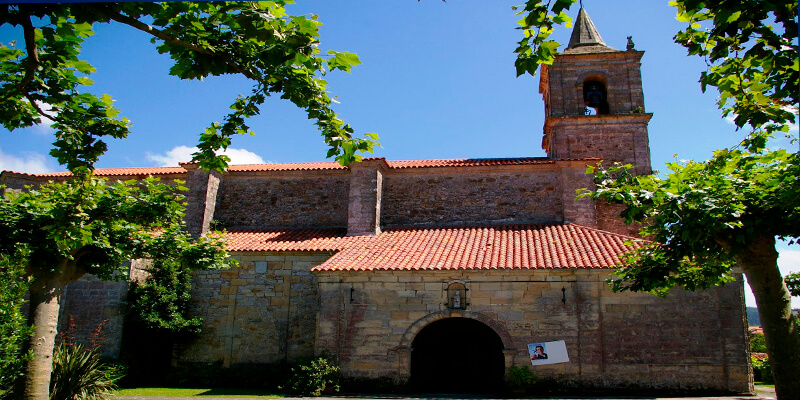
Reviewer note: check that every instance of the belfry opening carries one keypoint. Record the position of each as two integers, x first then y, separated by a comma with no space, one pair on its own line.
595,97
457,355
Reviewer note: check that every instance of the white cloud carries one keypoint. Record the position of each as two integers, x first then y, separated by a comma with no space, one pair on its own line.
30,163
789,261
184,153
45,127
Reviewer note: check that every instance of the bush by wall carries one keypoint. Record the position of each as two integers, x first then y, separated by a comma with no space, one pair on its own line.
313,377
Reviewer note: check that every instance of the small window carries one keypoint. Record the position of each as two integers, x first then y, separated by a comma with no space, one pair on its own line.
595,97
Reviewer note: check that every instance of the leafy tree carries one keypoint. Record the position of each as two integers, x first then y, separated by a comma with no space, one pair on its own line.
706,217
793,283
158,320
45,78
89,226
161,301
757,343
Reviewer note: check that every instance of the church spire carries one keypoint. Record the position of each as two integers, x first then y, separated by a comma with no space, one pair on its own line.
584,33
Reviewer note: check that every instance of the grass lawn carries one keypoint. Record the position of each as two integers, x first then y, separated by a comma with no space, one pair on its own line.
185,392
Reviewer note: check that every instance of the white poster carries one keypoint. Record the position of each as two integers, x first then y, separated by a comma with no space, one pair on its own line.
548,352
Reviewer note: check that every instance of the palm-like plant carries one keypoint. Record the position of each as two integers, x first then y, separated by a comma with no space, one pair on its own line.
79,374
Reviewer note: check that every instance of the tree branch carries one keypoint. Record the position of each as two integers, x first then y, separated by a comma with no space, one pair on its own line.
39,110
30,46
135,23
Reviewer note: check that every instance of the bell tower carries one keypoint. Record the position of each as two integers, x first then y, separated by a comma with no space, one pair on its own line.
594,105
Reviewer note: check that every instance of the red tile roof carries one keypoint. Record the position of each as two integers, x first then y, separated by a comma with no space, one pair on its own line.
309,166
315,166
287,240
117,172
447,248
468,162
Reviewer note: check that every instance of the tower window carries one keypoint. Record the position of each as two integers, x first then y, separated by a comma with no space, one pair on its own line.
595,98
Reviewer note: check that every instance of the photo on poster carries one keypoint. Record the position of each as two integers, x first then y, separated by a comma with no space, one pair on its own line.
543,353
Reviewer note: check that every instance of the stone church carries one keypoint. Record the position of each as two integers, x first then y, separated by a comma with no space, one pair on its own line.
431,272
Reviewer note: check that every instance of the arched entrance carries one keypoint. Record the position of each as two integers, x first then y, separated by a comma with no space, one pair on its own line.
457,355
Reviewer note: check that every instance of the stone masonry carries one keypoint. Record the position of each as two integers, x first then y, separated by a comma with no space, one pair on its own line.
687,340
262,312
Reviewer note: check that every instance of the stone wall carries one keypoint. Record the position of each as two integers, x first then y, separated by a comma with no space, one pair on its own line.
296,199
608,219
16,181
686,341
264,311
89,301
620,72
611,138
201,199
445,196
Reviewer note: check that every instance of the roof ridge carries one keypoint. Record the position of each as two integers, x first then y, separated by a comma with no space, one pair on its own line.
472,226
319,165
113,171
607,232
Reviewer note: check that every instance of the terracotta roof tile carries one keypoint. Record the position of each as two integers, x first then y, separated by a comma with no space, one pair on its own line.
485,247
468,162
458,162
287,239
309,166
121,172
315,166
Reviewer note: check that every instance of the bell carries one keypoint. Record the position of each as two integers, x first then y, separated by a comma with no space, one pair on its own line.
594,97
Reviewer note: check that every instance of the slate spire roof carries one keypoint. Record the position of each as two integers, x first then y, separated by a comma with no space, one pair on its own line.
585,37
584,33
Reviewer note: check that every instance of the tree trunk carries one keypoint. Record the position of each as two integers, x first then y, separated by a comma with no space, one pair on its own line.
759,261
44,305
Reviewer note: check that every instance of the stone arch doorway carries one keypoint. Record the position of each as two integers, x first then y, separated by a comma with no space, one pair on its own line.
457,355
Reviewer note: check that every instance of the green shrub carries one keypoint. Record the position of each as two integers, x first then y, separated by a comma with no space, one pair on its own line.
13,325
762,371
519,379
314,377
79,374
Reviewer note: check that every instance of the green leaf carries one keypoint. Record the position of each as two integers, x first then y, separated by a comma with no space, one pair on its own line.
83,67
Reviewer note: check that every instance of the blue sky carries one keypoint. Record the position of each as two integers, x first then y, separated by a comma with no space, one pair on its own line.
437,81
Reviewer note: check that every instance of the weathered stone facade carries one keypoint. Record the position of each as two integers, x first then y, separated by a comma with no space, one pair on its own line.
687,340
283,198
287,299
262,312
443,196
91,304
